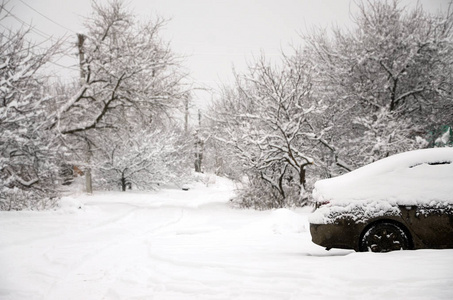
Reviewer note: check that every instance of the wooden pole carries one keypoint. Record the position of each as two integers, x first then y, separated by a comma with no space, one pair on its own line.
88,180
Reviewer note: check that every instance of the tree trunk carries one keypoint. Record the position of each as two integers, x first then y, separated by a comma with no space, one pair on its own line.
88,180
302,179
123,183
302,182
88,184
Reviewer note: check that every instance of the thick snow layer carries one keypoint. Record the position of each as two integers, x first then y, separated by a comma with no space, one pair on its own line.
175,244
357,212
409,178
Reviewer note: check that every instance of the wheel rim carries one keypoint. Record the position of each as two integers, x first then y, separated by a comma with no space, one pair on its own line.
384,238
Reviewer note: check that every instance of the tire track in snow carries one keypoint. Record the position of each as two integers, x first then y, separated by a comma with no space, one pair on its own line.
64,231
103,262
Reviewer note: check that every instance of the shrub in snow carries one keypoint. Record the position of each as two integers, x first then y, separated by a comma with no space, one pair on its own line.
256,194
26,199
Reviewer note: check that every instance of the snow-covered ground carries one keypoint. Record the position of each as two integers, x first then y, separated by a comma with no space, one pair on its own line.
175,244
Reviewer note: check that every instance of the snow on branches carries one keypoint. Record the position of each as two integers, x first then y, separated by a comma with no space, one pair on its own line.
346,98
27,170
389,79
266,122
128,72
142,159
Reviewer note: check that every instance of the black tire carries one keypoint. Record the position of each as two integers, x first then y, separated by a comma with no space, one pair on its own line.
384,237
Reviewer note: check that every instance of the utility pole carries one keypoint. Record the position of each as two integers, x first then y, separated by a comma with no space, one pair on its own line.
198,146
186,114
80,41
88,181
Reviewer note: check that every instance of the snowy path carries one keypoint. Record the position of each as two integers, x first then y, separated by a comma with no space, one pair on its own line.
190,245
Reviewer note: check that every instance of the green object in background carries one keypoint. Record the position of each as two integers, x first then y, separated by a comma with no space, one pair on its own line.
444,137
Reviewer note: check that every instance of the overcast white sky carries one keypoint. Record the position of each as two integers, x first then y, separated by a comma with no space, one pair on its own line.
213,34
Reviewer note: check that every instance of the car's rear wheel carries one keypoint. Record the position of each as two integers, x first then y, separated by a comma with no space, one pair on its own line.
384,237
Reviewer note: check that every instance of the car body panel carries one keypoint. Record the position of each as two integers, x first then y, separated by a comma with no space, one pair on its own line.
426,228
342,235
433,227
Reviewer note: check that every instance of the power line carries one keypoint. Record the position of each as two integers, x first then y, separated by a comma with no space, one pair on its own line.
32,28
35,30
38,46
64,27
11,38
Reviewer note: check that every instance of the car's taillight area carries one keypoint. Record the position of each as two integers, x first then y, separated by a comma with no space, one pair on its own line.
319,204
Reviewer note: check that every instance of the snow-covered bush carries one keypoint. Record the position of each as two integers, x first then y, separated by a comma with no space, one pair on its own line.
256,193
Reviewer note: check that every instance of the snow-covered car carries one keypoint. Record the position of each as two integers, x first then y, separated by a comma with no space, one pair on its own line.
404,201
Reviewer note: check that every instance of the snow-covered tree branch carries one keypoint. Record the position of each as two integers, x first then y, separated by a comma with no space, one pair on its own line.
388,81
28,170
264,121
128,73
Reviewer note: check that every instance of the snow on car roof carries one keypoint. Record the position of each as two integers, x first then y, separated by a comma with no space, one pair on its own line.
410,178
